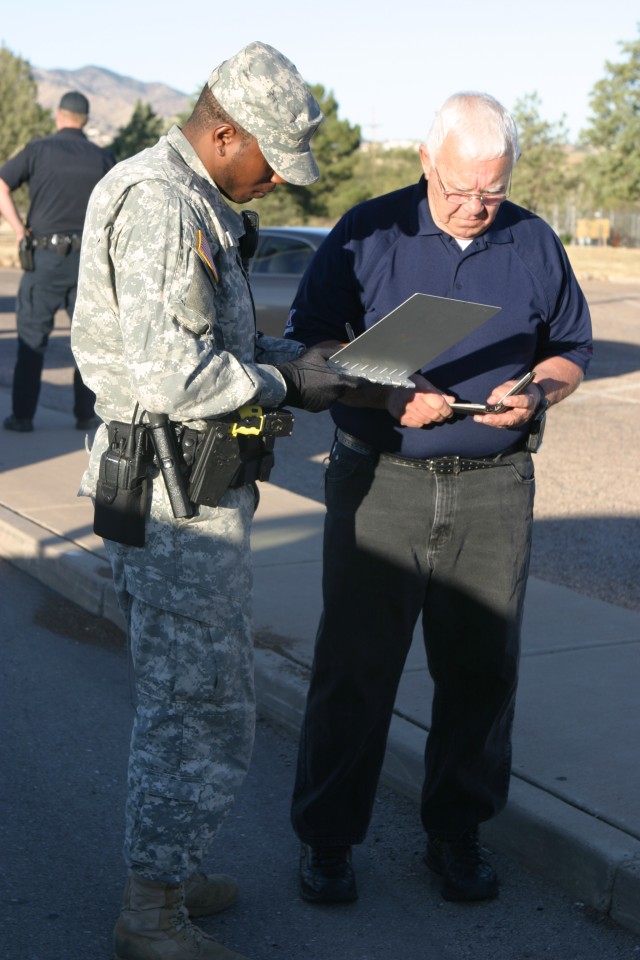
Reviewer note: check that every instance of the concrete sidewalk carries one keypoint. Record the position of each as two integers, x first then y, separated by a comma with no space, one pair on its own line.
574,812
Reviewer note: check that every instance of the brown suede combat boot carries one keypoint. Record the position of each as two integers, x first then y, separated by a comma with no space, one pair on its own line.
207,894
154,925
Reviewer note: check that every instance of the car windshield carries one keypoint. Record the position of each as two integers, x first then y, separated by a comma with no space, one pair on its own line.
282,255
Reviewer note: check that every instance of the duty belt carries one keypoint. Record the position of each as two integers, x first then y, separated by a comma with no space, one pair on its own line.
438,465
60,243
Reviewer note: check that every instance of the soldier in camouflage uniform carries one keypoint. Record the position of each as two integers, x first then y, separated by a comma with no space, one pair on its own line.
164,318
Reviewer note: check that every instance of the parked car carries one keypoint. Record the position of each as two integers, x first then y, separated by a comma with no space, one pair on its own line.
275,271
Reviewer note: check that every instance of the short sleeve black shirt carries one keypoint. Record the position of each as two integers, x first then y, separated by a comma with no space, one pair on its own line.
61,171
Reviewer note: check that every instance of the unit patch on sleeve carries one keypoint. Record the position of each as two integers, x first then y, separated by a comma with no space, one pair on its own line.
204,252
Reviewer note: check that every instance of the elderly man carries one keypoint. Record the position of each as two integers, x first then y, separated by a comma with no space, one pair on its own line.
165,324
429,511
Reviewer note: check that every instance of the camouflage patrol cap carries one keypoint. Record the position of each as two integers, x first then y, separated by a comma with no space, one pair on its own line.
264,92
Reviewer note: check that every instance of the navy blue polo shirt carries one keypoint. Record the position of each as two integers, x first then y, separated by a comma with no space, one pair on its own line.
61,171
384,250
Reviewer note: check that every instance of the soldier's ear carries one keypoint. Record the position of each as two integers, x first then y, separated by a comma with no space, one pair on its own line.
222,136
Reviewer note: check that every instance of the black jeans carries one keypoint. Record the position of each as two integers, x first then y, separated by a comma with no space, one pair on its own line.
401,542
51,286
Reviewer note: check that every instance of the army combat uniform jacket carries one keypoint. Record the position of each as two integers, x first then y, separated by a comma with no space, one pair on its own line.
164,318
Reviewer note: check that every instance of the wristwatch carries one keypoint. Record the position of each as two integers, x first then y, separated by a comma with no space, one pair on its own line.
542,402
537,422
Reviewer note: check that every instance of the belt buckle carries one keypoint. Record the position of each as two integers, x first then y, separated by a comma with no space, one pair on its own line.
61,243
446,466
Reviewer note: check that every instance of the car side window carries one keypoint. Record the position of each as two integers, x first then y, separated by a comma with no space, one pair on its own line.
281,255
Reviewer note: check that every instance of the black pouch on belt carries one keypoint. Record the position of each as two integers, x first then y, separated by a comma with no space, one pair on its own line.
25,253
121,492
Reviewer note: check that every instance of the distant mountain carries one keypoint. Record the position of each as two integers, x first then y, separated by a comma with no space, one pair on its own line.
111,96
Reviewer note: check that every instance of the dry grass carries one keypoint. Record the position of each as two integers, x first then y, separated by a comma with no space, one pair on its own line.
605,263
8,250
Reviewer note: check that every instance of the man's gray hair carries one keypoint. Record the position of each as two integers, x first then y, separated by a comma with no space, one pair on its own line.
483,128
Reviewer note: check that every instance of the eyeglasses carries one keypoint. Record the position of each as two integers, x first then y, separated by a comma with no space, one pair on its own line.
486,199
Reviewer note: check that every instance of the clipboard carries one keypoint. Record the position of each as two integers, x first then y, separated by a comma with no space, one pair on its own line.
410,337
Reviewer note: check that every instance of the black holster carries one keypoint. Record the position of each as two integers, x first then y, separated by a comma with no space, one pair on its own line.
121,493
25,253
235,452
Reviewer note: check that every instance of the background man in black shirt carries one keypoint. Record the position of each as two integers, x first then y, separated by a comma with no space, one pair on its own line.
61,171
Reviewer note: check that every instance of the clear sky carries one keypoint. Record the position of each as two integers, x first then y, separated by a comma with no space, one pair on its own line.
389,64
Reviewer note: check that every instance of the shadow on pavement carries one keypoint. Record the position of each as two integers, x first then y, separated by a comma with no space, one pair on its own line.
613,358
595,552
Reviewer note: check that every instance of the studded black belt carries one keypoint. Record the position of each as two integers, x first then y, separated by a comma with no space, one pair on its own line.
439,465
61,243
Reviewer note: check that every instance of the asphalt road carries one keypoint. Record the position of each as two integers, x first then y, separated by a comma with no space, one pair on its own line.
587,528
65,717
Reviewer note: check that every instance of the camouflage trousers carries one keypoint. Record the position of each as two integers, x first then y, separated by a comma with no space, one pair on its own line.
186,597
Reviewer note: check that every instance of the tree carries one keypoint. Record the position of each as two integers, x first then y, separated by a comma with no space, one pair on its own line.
335,147
21,117
384,169
143,130
182,118
613,134
541,179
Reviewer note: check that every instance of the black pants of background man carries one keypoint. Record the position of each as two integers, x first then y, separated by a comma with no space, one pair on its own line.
400,544
50,286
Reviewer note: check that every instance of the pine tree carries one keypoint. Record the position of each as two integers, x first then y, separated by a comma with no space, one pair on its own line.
540,177
613,134
143,130
335,147
21,117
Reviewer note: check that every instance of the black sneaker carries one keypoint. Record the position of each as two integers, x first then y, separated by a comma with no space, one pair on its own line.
466,875
17,424
326,874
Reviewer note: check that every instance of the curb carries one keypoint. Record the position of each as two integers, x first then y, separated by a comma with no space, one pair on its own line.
76,574
594,862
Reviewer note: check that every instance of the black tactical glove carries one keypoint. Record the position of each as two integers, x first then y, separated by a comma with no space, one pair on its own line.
311,384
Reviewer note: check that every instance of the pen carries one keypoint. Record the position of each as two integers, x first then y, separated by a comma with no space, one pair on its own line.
351,335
